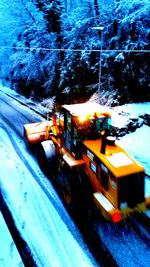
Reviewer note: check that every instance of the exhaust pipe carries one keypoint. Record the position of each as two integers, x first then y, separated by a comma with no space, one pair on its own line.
104,141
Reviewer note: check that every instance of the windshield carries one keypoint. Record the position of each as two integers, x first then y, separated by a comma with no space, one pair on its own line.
90,128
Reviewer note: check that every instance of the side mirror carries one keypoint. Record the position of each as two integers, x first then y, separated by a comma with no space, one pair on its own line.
48,116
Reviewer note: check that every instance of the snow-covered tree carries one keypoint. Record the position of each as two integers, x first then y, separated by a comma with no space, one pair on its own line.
15,17
33,70
45,26
130,32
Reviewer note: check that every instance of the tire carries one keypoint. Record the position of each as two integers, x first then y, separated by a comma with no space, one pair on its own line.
47,158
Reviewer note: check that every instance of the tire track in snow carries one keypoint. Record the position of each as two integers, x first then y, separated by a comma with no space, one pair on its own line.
20,243
20,119
101,251
64,217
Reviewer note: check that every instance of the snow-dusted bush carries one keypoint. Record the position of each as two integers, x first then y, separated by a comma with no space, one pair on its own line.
73,73
33,67
126,30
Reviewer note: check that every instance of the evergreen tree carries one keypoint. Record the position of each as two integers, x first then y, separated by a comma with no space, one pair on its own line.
54,44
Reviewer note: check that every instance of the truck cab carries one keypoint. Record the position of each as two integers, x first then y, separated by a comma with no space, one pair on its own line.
116,178
84,122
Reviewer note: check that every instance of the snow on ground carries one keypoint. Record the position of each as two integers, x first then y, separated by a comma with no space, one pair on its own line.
134,109
122,114
138,145
8,247
60,245
52,242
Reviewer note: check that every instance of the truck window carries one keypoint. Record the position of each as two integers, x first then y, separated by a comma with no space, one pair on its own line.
67,131
103,123
104,177
91,127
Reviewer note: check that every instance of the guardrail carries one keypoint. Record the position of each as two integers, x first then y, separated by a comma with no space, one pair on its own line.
35,109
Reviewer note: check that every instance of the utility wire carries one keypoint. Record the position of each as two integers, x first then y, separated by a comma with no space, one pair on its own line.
77,50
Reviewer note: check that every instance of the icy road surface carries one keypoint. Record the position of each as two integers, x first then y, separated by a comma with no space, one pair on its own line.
48,230
7,247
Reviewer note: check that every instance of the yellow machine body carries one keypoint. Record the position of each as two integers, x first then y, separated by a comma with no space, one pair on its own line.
117,180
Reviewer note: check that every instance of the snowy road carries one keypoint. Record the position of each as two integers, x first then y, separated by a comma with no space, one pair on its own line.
127,246
38,211
41,218
8,247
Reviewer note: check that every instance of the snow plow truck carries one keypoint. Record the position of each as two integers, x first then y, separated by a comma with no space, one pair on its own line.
80,136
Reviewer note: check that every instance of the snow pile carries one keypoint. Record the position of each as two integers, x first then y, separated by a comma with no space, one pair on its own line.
137,143
130,114
134,109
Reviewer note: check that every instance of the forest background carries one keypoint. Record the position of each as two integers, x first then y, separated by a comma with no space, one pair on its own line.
49,48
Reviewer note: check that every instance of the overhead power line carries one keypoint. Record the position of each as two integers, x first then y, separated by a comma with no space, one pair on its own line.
76,50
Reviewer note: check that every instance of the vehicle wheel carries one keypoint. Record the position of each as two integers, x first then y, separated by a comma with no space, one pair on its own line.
47,158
